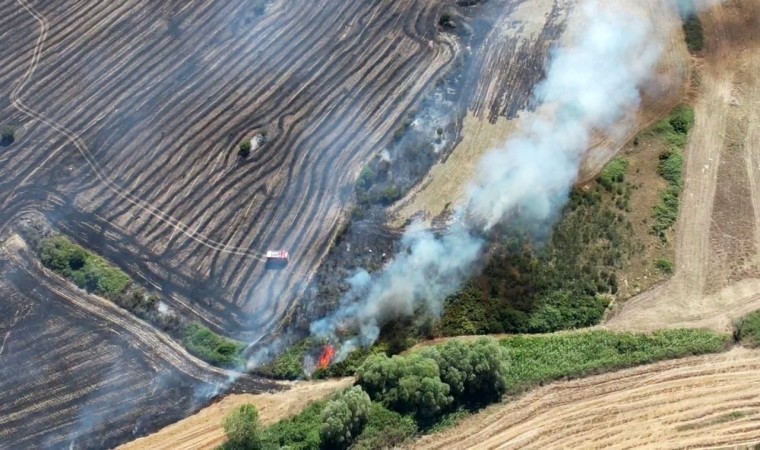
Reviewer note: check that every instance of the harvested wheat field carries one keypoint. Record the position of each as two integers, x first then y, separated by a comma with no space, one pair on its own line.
204,429
696,402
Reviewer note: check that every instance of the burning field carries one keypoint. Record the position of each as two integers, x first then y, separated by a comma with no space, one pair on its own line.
128,117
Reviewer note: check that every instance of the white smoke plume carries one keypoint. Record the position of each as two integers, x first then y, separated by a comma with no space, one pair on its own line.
590,86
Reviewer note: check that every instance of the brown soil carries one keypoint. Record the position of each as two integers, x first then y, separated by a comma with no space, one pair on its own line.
716,264
204,429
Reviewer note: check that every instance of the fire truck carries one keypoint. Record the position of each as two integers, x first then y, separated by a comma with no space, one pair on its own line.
277,258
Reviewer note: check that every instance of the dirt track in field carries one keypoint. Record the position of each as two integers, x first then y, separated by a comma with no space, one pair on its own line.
204,429
703,401
717,276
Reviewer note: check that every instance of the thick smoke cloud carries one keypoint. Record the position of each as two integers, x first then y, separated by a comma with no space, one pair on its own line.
590,86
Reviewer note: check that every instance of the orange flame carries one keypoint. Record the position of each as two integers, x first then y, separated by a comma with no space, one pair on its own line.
327,356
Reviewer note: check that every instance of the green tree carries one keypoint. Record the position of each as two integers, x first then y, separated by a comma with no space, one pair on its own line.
477,373
344,417
366,179
243,428
7,135
245,149
409,384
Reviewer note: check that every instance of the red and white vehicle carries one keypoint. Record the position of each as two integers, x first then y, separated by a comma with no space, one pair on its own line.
277,256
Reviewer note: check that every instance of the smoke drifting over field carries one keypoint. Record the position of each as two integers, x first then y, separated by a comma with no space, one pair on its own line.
590,86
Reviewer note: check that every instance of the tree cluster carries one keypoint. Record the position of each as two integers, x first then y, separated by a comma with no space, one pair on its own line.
433,381
344,417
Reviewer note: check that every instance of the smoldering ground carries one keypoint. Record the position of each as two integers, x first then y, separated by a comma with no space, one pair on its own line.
591,85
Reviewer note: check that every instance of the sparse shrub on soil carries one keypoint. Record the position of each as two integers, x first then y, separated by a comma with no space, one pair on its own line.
7,135
211,347
664,266
244,149
747,330
695,37
674,132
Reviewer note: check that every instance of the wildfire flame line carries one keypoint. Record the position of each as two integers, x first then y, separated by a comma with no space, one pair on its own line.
327,356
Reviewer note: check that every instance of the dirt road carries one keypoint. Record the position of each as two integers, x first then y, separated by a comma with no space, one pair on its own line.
703,401
717,275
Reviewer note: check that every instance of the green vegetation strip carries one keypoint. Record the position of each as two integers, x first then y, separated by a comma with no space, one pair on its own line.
96,275
85,269
540,359
435,387
673,131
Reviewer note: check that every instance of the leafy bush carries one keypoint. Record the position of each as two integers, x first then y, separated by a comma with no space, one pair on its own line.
476,373
682,119
366,179
385,429
344,417
211,347
243,429
405,384
671,168
300,432
7,135
86,270
747,330
540,359
613,173
664,266
244,149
